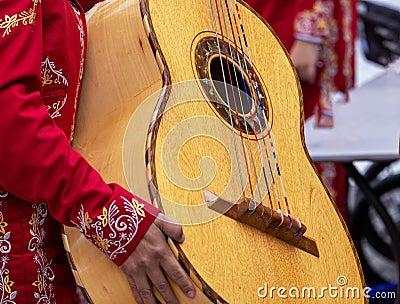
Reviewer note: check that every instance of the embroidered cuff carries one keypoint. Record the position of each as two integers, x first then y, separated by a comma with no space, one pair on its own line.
118,228
315,22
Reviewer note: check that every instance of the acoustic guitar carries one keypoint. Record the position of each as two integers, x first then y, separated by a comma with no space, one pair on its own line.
195,107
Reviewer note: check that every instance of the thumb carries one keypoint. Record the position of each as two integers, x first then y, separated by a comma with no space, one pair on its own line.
169,227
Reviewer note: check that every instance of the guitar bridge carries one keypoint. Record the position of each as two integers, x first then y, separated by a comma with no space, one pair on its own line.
265,219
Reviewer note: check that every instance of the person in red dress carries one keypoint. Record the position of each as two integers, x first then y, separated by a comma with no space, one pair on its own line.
44,182
319,36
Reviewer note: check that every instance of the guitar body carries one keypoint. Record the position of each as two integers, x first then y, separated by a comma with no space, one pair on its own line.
145,122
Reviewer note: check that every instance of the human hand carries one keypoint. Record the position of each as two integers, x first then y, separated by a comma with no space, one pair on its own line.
152,260
305,57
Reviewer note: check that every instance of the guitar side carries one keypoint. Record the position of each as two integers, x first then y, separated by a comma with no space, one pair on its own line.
111,93
120,73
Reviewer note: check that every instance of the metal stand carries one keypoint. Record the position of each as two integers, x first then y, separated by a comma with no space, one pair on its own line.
374,201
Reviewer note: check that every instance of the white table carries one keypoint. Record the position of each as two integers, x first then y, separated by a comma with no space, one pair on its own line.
366,128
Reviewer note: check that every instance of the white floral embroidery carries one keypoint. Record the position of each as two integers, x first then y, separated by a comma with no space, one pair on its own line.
45,275
123,227
51,75
5,245
7,294
81,29
57,106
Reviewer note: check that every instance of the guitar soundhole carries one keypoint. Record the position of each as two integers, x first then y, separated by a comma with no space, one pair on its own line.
223,71
232,86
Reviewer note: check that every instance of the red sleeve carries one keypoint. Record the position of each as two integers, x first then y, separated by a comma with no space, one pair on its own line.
296,19
88,4
280,15
312,22
37,163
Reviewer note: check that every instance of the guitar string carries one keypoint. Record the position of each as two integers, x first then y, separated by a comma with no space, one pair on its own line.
240,95
226,94
274,184
270,166
241,104
269,163
249,103
267,183
251,153
271,140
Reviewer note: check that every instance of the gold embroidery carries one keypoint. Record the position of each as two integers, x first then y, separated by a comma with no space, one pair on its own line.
314,22
3,224
24,18
88,220
32,222
114,229
45,275
38,283
139,208
318,8
44,255
321,24
8,284
46,80
104,217
102,243
8,295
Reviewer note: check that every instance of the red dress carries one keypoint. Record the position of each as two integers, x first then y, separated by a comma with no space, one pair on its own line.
330,23
43,181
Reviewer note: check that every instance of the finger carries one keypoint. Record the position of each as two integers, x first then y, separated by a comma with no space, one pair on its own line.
160,282
304,74
133,287
170,228
135,292
178,275
143,289
311,73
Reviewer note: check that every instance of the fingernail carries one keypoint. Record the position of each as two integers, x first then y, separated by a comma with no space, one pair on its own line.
191,293
180,238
